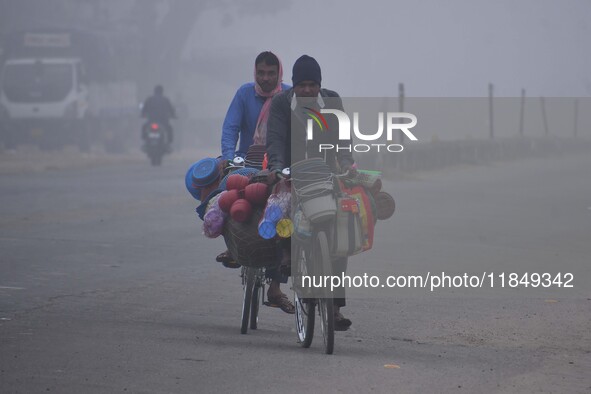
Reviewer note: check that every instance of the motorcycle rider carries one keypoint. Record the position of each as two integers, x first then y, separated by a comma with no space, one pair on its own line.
306,78
158,109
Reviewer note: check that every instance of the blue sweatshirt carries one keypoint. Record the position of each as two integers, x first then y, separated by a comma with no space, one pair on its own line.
241,120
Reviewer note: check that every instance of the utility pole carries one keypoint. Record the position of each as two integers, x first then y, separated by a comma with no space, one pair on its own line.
490,110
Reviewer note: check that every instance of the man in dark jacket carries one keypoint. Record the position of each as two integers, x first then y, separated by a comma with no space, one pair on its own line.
158,108
287,145
306,87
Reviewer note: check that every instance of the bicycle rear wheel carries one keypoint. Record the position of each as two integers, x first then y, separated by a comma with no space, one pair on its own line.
323,266
248,279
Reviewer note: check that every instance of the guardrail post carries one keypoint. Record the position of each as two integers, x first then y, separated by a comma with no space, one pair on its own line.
575,131
401,108
521,116
544,118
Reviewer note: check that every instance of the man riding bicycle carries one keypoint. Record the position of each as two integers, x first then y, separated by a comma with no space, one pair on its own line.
286,146
245,124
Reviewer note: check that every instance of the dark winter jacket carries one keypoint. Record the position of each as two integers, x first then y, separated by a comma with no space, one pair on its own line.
158,109
280,135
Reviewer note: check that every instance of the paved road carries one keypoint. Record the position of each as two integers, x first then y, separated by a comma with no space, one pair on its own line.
107,285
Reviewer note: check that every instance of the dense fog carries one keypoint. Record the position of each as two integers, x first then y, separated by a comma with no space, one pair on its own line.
202,51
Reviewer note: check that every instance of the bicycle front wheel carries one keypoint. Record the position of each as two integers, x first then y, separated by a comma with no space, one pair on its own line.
323,266
305,316
304,307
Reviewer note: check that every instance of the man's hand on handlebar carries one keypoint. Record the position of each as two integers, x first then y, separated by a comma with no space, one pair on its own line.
349,171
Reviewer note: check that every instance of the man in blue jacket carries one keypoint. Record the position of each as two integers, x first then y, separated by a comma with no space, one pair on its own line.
249,110
245,124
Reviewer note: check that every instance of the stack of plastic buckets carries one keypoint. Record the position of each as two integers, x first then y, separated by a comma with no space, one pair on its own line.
313,183
201,175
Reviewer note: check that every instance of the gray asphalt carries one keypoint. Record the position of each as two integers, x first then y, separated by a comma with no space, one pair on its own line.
107,285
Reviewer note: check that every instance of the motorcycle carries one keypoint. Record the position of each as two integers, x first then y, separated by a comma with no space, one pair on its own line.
156,142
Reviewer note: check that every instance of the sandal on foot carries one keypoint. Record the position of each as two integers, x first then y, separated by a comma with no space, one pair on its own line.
226,259
281,301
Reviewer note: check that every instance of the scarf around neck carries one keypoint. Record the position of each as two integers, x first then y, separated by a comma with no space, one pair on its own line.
260,134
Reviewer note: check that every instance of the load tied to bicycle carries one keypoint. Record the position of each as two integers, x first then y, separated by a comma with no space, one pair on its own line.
278,202
300,223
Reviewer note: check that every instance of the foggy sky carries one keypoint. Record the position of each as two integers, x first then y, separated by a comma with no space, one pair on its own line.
438,49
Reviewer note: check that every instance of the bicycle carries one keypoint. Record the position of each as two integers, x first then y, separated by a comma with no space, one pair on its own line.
313,259
254,254
253,284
